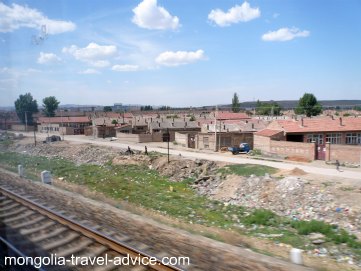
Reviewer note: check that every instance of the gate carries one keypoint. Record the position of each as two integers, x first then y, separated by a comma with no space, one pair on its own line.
320,151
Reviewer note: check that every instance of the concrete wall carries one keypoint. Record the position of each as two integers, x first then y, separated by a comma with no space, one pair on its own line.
137,138
300,149
201,141
225,139
181,138
343,153
21,127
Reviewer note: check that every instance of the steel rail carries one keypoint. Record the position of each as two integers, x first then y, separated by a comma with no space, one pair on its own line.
99,237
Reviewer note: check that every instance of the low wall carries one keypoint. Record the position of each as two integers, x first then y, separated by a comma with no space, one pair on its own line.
135,138
343,153
262,143
181,139
288,148
21,128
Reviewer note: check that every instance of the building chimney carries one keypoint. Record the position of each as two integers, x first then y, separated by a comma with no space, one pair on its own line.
252,125
341,122
172,124
159,124
302,122
185,124
332,117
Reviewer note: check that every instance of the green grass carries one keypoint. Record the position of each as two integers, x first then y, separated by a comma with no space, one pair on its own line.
332,232
247,170
141,186
262,217
136,184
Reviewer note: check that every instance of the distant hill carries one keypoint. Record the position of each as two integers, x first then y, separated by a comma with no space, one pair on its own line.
289,104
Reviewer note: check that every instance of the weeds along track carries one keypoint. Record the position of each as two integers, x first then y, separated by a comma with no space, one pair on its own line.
36,229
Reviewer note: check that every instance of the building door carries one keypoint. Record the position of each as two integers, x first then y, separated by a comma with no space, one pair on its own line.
191,141
320,151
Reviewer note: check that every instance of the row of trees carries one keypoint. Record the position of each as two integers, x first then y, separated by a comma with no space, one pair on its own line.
307,105
26,106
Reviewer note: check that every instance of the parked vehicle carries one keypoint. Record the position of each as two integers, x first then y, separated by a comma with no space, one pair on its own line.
243,148
52,138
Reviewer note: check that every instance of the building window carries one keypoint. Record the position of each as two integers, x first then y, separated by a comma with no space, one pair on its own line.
318,138
353,138
333,138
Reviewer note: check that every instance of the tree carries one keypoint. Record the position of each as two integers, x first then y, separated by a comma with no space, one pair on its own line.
25,107
308,105
50,104
235,103
146,108
270,109
115,122
107,109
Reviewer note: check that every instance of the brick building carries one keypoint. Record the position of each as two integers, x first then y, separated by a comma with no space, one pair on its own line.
331,138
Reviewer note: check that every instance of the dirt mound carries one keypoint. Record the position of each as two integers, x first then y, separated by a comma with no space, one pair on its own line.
130,160
297,159
294,172
179,169
297,172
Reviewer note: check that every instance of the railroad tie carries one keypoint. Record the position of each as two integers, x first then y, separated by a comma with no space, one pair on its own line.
52,233
28,223
61,242
74,249
36,229
9,207
15,218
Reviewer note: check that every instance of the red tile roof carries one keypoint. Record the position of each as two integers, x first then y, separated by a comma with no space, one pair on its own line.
307,125
64,120
268,132
231,116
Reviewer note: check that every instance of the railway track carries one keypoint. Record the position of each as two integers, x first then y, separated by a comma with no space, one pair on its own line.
35,229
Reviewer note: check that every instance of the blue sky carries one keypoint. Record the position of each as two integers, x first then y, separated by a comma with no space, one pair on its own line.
179,53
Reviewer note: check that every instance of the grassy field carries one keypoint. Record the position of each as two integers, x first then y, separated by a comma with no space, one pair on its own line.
139,185
247,170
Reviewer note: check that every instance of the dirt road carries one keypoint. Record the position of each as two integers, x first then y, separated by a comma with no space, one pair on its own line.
344,173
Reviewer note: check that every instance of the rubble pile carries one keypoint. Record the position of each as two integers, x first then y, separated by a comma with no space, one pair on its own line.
290,196
79,154
179,169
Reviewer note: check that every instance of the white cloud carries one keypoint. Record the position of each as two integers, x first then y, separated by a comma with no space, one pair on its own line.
94,54
125,68
99,63
16,16
169,58
92,51
285,34
150,16
48,58
242,13
89,71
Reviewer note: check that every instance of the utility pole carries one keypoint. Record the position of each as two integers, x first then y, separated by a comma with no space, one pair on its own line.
62,125
34,132
220,133
168,139
26,121
215,128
